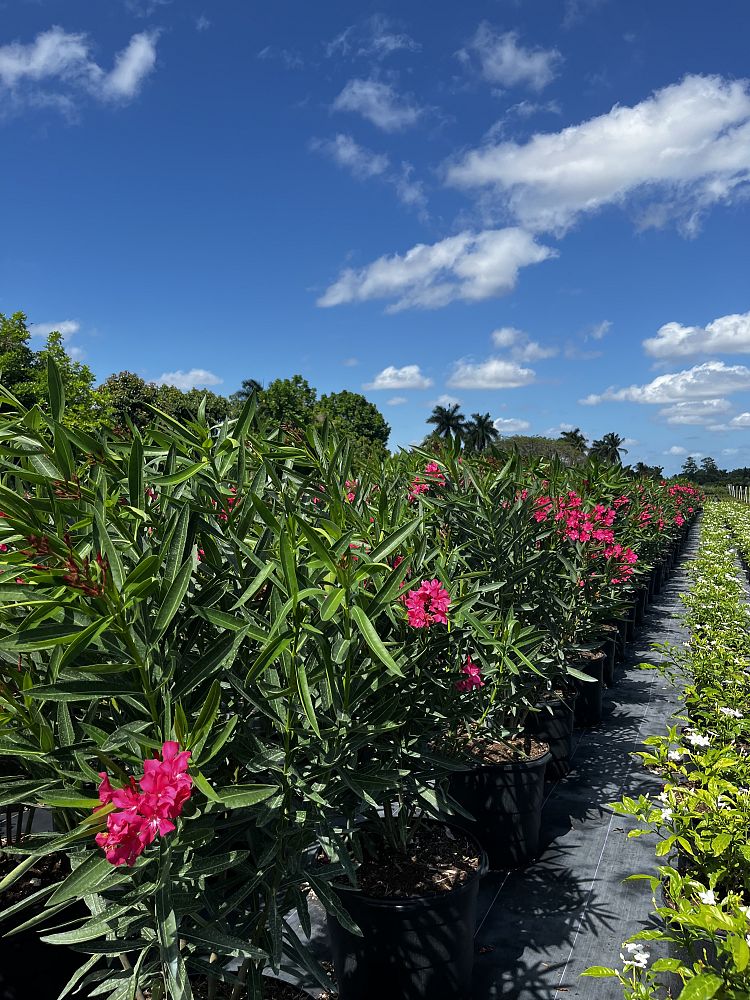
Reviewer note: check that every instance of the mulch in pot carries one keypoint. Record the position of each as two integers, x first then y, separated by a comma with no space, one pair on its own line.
516,748
438,858
47,871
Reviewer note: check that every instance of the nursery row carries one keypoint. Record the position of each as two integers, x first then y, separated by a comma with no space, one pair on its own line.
240,672
701,815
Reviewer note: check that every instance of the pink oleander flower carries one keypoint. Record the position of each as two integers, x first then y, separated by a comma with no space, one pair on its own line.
427,604
351,486
679,520
473,677
147,808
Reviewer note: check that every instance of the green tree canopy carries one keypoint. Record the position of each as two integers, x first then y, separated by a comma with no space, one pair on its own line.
353,415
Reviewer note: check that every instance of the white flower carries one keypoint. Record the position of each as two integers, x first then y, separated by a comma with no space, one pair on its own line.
697,740
663,797
637,956
666,814
708,897
675,755
731,712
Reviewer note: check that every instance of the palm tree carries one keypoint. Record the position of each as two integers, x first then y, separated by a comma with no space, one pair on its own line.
576,439
250,387
449,421
609,448
481,432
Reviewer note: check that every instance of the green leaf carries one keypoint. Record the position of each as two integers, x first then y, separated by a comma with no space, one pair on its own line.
740,952
304,693
374,641
56,390
135,473
393,541
331,604
332,904
167,929
44,637
288,565
242,796
87,878
179,477
702,987
223,944
173,600
600,971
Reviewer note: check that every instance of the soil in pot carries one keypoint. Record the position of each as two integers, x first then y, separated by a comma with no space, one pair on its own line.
553,725
588,709
28,966
504,792
417,913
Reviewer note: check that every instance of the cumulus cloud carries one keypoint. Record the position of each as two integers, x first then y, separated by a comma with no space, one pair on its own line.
494,373
377,37
408,377
503,60
725,335
676,449
379,103
520,345
685,147
705,381
445,400
196,378
742,420
510,425
347,153
697,412
470,267
66,327
57,67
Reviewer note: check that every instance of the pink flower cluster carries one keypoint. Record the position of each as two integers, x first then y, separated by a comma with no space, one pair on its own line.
351,486
231,500
427,604
418,485
579,525
625,557
147,808
473,677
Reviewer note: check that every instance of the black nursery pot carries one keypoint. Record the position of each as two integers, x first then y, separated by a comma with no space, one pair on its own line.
30,968
553,724
412,949
506,803
609,648
589,702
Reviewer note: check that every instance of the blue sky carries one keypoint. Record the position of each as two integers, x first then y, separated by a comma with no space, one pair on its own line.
538,209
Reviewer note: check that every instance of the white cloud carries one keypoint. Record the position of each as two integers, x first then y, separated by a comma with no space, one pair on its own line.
676,449
347,153
740,421
522,348
408,377
725,335
397,401
61,59
131,68
202,23
695,412
469,266
494,373
600,330
711,379
194,379
729,451
630,442
291,58
379,103
66,327
688,145
557,431
445,400
503,60
375,38
410,192
510,425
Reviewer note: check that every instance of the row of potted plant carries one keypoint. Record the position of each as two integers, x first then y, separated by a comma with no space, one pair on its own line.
700,946
239,673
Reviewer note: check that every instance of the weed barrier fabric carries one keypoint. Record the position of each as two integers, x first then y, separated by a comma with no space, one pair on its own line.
541,927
